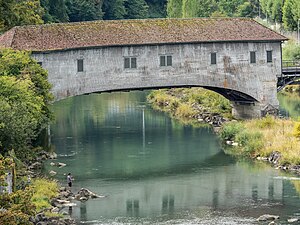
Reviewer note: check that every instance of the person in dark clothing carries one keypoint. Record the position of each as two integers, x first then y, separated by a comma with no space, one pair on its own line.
69,179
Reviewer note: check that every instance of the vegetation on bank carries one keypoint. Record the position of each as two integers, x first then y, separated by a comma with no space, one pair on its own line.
261,137
18,207
253,138
24,113
189,104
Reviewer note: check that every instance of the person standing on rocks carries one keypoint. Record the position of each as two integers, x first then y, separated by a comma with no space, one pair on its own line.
69,180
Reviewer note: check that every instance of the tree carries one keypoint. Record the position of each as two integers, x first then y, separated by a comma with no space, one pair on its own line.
21,113
157,8
288,19
84,10
198,8
28,12
229,7
58,10
22,12
114,9
7,16
24,98
174,8
136,9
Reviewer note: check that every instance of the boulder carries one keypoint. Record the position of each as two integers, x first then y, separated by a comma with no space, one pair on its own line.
274,157
267,217
52,155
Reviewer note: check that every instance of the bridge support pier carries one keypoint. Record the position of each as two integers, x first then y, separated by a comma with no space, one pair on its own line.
246,110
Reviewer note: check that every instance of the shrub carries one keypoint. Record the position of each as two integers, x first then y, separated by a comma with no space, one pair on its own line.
44,190
250,141
230,130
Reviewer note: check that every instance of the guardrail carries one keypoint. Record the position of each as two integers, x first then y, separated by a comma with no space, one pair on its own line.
290,63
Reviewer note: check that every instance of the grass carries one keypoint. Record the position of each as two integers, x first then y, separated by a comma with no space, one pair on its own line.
43,190
261,137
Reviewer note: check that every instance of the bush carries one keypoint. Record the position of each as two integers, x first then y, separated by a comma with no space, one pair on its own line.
44,190
250,141
230,130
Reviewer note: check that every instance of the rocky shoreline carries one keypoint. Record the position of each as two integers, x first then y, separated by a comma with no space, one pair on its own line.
65,199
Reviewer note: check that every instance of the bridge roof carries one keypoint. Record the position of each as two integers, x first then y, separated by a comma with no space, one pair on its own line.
135,32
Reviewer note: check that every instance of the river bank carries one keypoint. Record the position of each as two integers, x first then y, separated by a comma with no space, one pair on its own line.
270,139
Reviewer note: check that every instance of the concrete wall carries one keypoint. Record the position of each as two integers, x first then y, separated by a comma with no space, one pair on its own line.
104,69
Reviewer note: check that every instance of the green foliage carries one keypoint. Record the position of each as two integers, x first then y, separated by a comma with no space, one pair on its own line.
17,207
114,9
58,11
249,141
84,10
288,19
198,8
24,98
136,9
44,190
174,8
230,130
21,113
23,12
157,8
20,205
291,51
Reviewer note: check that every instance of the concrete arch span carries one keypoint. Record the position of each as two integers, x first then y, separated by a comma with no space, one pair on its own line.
222,67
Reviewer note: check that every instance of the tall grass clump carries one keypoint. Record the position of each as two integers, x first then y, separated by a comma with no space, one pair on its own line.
44,190
230,130
250,141
297,130
266,122
184,111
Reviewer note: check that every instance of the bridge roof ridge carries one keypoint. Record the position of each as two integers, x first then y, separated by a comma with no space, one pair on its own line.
102,33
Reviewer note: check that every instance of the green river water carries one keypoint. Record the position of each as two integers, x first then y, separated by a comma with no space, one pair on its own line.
154,170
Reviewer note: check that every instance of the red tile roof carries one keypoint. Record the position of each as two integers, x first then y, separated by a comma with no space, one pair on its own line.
135,32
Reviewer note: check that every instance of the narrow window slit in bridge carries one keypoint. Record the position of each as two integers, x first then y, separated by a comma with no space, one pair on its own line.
79,65
252,57
269,56
213,58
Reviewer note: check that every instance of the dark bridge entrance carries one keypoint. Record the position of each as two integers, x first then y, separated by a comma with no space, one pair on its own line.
290,74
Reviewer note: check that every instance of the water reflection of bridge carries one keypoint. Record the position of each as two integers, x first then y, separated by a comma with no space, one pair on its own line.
218,188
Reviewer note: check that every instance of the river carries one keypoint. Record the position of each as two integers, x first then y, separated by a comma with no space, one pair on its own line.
154,170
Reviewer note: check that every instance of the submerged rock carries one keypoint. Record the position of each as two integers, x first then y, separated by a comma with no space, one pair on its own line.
293,220
52,173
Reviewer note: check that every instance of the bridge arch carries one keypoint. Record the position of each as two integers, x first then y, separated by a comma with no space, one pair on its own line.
251,88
